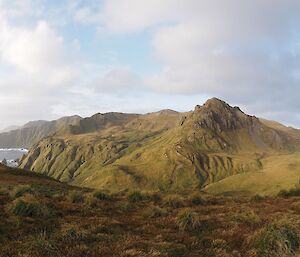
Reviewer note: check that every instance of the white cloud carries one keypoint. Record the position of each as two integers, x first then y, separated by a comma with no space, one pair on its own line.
120,79
38,52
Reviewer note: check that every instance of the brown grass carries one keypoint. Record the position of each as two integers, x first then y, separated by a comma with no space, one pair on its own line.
171,226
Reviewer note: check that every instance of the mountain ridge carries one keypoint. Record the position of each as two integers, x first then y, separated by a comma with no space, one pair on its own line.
160,150
33,131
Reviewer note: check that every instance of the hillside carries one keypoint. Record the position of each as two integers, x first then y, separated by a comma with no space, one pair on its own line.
164,150
42,217
33,131
16,177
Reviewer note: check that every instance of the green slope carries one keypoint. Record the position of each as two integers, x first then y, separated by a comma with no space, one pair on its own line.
280,172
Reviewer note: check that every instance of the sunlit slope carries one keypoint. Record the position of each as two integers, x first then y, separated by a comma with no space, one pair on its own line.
280,172
164,150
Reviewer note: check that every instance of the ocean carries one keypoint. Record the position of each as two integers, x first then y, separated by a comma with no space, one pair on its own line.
12,155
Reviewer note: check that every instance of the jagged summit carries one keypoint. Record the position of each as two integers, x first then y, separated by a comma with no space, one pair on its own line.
218,116
218,104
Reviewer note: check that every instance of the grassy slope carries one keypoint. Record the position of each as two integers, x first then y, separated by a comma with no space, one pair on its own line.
279,172
12,176
71,222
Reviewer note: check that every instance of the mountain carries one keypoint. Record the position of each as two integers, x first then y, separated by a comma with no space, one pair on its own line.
165,150
33,131
9,128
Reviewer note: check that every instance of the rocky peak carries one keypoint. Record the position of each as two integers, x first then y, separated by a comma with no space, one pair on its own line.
219,116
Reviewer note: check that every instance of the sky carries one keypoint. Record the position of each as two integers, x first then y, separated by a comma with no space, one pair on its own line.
65,57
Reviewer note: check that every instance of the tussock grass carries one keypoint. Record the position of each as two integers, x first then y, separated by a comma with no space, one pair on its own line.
174,201
197,199
100,195
248,217
156,212
289,193
41,245
276,240
19,191
29,207
76,197
126,207
187,219
70,233
137,196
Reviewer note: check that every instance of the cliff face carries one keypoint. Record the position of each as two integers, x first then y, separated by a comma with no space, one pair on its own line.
160,150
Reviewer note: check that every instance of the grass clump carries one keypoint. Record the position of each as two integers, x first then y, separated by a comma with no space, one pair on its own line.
257,198
248,217
29,207
276,240
174,201
154,196
196,199
77,197
70,233
91,201
100,195
156,212
289,193
21,191
187,220
40,245
137,196
126,207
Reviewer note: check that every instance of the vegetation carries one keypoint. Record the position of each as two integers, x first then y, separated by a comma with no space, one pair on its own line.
100,195
290,193
187,220
174,201
137,196
21,190
276,240
29,207
77,197
53,220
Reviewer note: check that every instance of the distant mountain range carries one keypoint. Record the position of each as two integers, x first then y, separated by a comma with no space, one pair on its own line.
166,150
33,131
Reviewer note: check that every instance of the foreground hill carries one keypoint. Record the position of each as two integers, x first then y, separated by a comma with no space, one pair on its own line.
164,150
16,177
33,131
42,217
